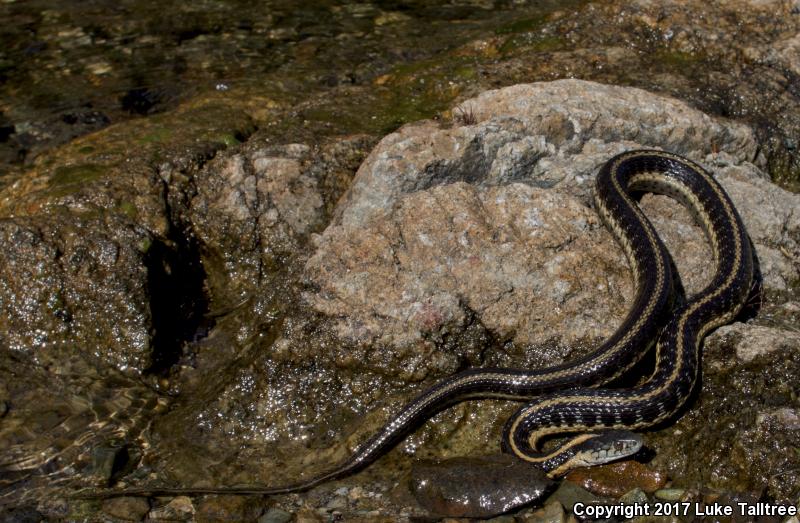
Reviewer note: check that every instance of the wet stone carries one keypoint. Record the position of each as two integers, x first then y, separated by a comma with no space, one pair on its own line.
616,479
477,487
275,515
126,509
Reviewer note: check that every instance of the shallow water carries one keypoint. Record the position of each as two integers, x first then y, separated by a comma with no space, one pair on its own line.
72,67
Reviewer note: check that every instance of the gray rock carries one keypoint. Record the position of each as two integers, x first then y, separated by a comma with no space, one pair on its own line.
752,341
477,487
253,207
787,417
275,515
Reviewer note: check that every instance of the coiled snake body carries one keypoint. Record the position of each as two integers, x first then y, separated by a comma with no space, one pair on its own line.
566,398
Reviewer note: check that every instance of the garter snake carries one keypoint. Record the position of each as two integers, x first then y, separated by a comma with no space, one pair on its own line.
566,398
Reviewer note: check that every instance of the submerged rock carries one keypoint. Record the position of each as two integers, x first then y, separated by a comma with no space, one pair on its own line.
479,487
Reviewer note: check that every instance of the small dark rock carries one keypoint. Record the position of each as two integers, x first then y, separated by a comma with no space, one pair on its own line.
22,515
477,487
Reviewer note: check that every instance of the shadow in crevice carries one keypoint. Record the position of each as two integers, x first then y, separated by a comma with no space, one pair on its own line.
178,303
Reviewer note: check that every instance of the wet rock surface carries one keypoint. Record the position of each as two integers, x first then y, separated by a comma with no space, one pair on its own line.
203,259
69,284
477,487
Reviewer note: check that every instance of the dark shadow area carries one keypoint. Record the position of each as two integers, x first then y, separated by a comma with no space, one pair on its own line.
146,100
177,300
755,298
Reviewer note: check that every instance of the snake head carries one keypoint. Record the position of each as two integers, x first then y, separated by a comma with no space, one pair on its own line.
588,450
607,446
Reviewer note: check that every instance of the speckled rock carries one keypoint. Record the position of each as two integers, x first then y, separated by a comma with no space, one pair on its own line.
752,341
477,487
414,255
252,209
458,254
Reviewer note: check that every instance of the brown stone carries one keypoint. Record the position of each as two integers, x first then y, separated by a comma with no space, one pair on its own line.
615,479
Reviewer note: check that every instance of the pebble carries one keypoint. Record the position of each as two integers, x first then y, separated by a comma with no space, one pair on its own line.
275,515
670,494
